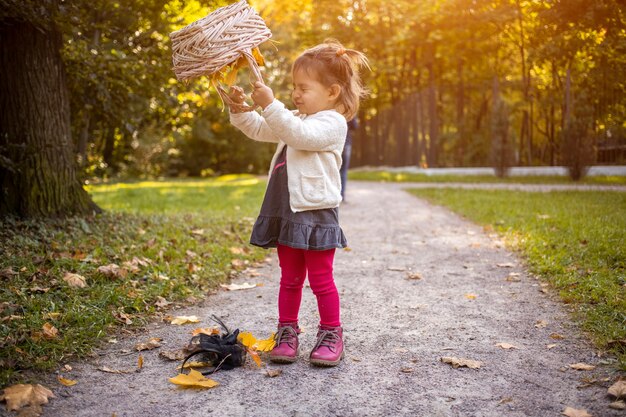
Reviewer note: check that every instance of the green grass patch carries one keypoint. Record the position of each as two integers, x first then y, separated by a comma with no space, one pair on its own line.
180,234
574,240
387,176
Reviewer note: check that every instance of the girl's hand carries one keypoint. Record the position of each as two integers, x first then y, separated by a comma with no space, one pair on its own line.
262,95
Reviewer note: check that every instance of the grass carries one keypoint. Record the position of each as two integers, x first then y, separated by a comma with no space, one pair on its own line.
414,177
576,241
186,238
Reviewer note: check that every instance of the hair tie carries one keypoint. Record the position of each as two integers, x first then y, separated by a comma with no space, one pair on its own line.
341,51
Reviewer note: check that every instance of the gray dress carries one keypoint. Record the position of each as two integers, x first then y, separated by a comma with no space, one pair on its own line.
277,224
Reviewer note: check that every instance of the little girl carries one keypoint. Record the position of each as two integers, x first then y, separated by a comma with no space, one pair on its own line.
299,214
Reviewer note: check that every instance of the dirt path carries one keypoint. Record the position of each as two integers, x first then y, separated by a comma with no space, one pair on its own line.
397,329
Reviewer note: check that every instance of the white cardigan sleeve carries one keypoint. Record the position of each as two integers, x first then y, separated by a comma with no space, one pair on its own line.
322,131
253,126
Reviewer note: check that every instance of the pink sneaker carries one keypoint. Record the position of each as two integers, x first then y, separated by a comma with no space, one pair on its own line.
286,349
328,350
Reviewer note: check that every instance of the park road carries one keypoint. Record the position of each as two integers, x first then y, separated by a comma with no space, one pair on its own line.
418,283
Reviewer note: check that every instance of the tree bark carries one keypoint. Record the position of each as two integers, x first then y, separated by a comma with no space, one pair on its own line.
38,170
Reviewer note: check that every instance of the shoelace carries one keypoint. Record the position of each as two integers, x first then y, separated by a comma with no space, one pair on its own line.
286,334
327,338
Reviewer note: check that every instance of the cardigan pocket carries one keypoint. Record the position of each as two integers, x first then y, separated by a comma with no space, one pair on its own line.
313,188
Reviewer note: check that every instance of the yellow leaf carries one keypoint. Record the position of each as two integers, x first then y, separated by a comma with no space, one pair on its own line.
265,345
506,346
255,357
75,280
152,343
246,339
20,395
193,379
185,319
140,362
66,382
470,296
190,365
49,331
256,53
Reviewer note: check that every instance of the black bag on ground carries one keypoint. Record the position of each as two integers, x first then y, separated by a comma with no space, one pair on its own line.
223,351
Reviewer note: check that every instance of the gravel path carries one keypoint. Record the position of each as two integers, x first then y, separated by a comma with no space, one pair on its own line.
397,329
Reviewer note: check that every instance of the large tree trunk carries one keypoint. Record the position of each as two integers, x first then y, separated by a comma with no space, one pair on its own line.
37,168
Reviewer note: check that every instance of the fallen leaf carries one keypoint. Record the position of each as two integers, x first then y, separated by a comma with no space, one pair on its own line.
238,263
557,336
190,365
122,317
197,232
21,395
113,371
414,275
210,331
185,319
248,340
255,356
470,296
49,331
458,362
506,265
235,287
540,324
618,390
152,343
66,382
51,316
406,370
193,379
506,346
572,412
75,280
273,373
396,268
553,345
113,271
140,362
618,405
582,366
513,277
237,251
161,302
173,355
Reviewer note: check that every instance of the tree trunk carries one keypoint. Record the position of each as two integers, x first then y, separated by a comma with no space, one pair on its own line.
38,175
433,131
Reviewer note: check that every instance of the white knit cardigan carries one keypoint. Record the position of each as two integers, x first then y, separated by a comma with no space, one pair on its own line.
314,144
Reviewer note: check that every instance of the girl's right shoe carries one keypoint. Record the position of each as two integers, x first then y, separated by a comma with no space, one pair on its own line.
286,349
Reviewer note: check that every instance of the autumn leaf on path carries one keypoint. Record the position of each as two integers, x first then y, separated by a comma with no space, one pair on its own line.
540,324
618,390
193,380
25,395
209,331
173,355
582,366
506,346
66,382
459,362
139,363
75,280
572,412
470,296
113,371
152,343
185,320
248,340
273,373
190,365
506,265
413,276
235,287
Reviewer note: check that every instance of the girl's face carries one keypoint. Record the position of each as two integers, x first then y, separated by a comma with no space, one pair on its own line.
310,96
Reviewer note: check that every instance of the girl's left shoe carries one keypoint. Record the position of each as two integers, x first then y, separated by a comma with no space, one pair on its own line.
328,350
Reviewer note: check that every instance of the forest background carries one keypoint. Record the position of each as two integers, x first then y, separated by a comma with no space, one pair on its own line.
452,82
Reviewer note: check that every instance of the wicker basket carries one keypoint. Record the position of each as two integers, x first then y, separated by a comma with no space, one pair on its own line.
220,39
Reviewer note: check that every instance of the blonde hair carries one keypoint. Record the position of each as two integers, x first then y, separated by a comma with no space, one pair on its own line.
331,63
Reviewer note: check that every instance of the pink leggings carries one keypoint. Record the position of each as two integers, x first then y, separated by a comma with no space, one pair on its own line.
294,265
